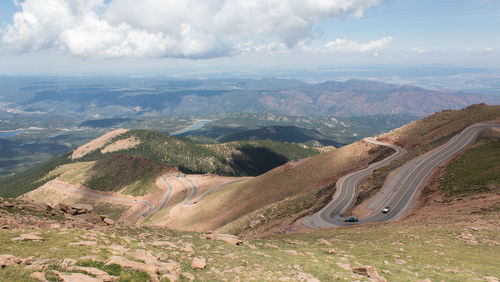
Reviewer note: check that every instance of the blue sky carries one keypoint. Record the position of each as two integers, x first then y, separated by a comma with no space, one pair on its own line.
116,35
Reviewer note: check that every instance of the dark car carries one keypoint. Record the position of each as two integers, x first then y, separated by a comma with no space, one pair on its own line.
351,219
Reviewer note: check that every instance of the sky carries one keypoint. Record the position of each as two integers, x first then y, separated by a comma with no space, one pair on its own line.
157,36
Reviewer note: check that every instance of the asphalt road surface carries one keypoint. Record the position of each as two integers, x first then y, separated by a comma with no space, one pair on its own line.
190,200
412,179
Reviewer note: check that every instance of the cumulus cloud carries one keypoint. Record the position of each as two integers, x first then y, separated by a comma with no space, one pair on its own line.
343,45
173,28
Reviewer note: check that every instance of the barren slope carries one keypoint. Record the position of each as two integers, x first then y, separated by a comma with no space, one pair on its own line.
312,178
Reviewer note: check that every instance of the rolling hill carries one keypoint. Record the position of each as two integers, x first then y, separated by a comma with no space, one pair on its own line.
276,201
237,158
281,134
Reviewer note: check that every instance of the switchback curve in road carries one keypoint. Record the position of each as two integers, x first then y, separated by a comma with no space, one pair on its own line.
190,200
346,191
412,176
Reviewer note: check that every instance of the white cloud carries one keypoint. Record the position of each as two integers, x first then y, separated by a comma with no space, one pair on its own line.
489,49
420,51
176,28
344,45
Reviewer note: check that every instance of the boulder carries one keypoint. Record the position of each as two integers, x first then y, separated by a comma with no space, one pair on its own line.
198,263
269,245
153,269
76,277
145,256
369,271
95,272
323,242
27,237
64,208
81,208
67,262
108,221
38,276
7,260
231,239
171,267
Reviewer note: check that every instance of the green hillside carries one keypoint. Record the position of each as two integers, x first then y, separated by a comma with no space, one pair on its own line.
153,155
281,134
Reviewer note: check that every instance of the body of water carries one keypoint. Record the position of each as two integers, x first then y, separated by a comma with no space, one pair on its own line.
197,125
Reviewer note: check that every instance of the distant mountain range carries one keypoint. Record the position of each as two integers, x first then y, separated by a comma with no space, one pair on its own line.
130,97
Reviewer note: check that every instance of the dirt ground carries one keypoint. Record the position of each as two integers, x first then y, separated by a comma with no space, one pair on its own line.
96,143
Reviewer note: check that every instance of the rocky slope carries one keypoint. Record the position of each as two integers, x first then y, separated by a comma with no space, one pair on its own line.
67,248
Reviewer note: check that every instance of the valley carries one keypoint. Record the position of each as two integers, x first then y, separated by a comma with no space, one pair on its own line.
180,229
281,185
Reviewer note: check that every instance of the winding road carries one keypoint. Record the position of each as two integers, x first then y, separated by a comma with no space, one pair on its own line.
150,206
189,201
409,179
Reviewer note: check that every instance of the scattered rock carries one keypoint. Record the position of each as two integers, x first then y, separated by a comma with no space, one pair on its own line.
38,276
28,237
162,256
269,245
291,252
491,278
108,221
231,239
171,267
331,251
451,270
188,276
145,256
81,208
323,242
401,261
104,276
76,277
164,244
369,271
68,262
83,243
187,249
153,269
467,237
169,277
303,276
198,263
8,260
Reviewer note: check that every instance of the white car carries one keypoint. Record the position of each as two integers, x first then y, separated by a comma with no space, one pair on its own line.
386,210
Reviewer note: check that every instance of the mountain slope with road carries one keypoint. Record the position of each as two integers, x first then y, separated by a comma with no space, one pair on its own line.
437,130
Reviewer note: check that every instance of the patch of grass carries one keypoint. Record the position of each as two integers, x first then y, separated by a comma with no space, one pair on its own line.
118,171
476,171
404,251
73,173
116,270
141,187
